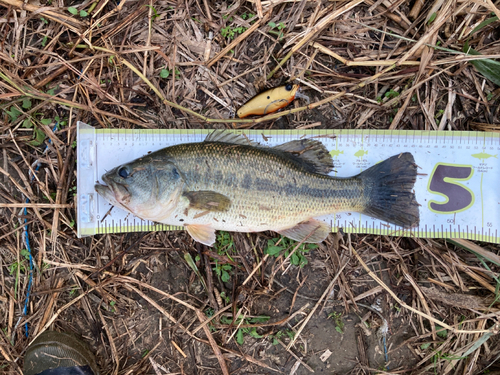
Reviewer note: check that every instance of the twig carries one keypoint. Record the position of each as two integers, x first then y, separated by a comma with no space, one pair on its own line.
312,32
214,345
295,356
236,41
325,293
393,295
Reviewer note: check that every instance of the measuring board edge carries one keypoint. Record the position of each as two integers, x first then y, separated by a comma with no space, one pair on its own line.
348,227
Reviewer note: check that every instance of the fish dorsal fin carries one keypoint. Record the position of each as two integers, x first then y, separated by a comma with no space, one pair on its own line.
203,233
310,154
207,200
224,136
313,154
312,230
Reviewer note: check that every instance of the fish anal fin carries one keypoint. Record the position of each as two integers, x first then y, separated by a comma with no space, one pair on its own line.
202,233
311,153
207,200
312,230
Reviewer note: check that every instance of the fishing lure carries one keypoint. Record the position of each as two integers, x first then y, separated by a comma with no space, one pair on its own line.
271,100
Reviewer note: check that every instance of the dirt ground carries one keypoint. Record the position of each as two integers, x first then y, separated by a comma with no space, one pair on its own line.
160,303
348,340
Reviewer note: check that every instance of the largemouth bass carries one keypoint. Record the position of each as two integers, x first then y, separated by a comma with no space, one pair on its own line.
230,183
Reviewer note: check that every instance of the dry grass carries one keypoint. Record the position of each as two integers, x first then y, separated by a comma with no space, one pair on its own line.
190,64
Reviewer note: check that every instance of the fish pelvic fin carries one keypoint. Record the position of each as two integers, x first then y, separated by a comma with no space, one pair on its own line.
389,189
311,231
207,200
312,154
201,233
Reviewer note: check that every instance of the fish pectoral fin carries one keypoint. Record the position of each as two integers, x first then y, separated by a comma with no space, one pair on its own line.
207,200
312,154
312,231
201,233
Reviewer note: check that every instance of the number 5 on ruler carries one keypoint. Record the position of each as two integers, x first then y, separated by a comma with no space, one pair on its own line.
443,181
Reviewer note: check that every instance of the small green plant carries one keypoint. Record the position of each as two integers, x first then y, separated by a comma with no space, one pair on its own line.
13,113
155,14
391,94
339,324
276,245
248,16
74,11
438,114
224,247
251,331
25,254
278,335
191,263
222,270
432,18
52,91
489,68
165,73
279,27
425,346
227,299
51,195
209,312
60,122
438,356
224,243
231,32
19,267
27,103
441,332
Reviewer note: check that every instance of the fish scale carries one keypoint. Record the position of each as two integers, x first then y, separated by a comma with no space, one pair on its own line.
267,191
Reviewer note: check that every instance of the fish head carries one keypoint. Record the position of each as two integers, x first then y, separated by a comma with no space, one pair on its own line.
147,188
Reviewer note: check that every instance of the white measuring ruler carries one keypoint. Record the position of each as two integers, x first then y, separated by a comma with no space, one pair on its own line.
458,186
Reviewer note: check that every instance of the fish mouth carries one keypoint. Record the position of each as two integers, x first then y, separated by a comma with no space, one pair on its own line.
104,191
109,192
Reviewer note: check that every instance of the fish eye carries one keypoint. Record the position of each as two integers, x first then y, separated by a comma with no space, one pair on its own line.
123,172
288,87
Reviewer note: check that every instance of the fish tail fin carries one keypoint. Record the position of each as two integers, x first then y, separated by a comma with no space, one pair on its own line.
389,189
